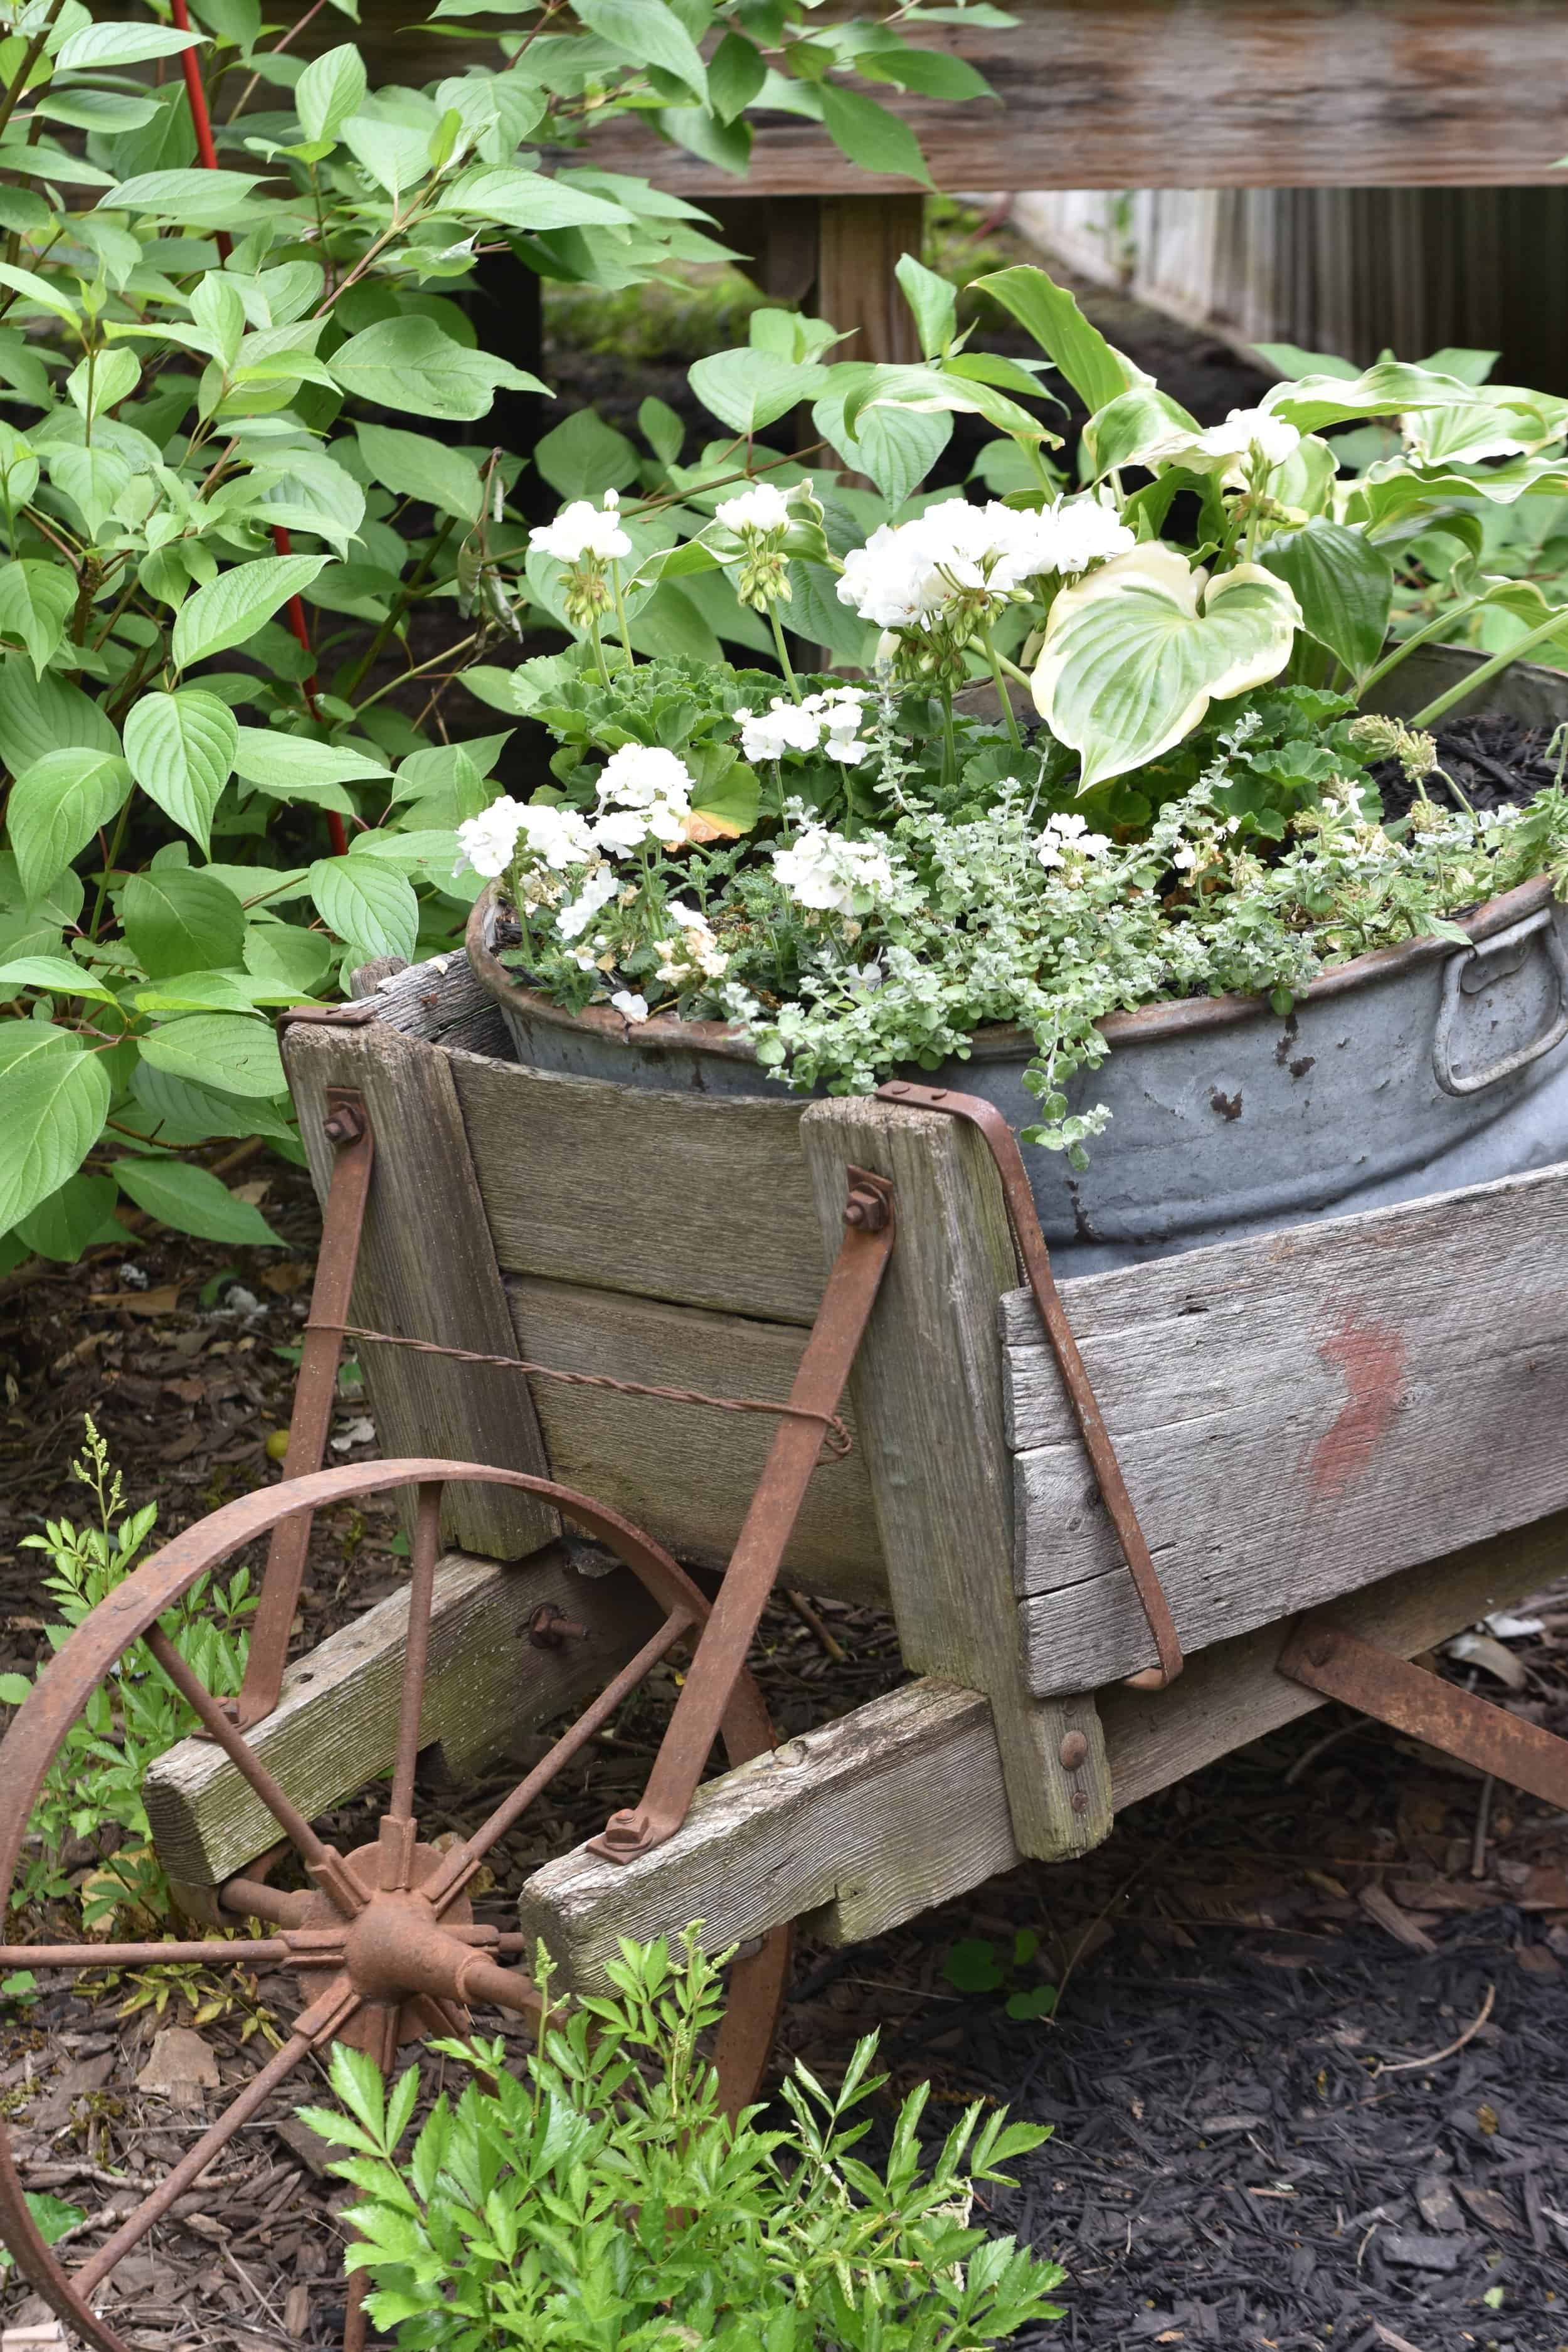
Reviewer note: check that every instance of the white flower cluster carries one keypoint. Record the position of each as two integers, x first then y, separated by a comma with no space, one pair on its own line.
551,835
829,721
1245,429
764,508
828,873
693,952
1066,837
582,529
908,571
645,793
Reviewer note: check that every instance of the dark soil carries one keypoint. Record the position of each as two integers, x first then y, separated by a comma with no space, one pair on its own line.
1496,762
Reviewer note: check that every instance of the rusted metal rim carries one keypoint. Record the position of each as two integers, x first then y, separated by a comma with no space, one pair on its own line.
997,1041
378,1926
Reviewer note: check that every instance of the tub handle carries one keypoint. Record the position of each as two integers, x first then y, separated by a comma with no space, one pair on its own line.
1461,969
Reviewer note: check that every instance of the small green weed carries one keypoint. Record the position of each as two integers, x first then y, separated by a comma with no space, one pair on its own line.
976,1966
95,1783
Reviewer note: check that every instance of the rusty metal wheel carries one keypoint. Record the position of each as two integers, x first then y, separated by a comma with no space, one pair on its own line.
384,1945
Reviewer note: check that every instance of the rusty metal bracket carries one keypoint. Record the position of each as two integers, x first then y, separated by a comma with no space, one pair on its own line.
1339,1664
347,1128
720,1655
1017,1192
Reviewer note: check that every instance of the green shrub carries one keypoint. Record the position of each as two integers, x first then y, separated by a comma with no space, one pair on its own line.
134,1715
602,2204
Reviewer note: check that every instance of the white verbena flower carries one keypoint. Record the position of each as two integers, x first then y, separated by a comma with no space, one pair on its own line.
599,888
629,1005
638,774
556,837
486,842
582,529
695,951
826,871
764,508
1245,429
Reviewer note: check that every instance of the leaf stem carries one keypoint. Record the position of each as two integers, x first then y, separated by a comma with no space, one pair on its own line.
1556,626
994,659
790,679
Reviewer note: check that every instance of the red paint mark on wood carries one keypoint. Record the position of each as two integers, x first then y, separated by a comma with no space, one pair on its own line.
1371,1358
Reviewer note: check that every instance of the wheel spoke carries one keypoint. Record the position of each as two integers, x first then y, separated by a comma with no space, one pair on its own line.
460,1864
416,1651
323,1861
203,1952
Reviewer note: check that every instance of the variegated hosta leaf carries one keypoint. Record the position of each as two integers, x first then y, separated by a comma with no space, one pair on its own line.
1511,424
1134,655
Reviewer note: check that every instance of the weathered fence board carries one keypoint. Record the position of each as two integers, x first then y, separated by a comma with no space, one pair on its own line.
679,1196
1297,1414
426,1270
927,1402
1103,93
902,1805
687,1472
335,1726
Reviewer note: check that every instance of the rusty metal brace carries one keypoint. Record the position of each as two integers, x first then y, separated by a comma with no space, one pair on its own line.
720,1652
1018,1195
1338,1663
348,1128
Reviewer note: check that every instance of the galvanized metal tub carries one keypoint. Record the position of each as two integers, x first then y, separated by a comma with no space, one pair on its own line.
1412,1070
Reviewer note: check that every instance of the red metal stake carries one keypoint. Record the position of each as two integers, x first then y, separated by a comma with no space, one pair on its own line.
206,150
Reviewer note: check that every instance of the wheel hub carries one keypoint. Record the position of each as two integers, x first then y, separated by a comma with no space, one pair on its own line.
395,1953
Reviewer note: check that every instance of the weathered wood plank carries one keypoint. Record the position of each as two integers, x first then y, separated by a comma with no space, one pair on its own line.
441,1003
426,1270
1297,1414
334,1729
927,1390
901,1805
678,1196
687,1472
860,242
1307,93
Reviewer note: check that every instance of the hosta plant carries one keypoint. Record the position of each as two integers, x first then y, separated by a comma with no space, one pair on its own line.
600,2202
253,521
1170,793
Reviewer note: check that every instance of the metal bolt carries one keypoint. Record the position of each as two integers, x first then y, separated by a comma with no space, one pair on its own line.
1073,1752
342,1125
867,1211
1080,1800
549,1627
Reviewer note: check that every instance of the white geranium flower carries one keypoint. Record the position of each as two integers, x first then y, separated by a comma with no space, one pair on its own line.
620,830
1245,429
783,727
1085,531
598,891
762,508
629,1006
1067,837
824,871
487,841
638,774
904,574
582,529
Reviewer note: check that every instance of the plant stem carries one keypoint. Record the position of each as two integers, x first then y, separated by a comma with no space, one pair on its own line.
1445,620
790,679
994,659
621,621
598,650
29,58
405,598
111,862
949,745
1557,624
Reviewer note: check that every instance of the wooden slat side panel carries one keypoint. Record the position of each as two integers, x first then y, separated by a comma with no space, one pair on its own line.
1297,1415
868,1820
441,1002
687,1472
684,1197
427,1271
1302,94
